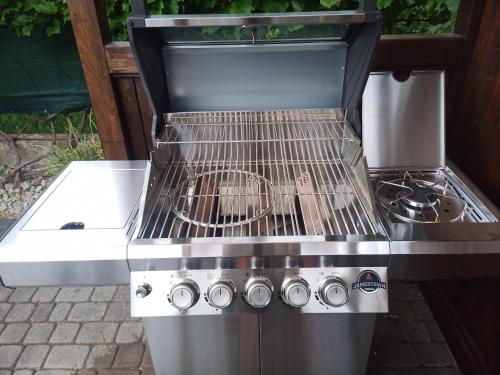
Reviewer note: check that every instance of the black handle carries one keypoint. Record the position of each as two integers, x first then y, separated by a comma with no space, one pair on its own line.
139,8
73,225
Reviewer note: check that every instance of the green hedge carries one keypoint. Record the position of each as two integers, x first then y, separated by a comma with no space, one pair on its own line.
400,16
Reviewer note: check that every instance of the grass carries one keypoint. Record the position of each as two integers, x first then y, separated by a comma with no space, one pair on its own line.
36,123
84,146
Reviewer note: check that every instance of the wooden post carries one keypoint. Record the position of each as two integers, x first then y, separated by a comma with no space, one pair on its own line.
91,30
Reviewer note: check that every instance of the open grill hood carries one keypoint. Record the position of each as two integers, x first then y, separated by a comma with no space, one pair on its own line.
254,62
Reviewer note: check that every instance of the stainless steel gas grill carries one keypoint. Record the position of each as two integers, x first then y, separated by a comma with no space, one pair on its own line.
260,240
258,225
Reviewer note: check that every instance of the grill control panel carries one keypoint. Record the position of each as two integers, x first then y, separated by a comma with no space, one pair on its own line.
262,291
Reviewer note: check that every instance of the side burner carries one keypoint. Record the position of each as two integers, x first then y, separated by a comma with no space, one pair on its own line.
417,200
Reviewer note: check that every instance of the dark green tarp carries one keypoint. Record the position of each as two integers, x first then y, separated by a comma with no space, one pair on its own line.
40,74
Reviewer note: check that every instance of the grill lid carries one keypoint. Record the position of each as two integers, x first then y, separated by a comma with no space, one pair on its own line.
254,62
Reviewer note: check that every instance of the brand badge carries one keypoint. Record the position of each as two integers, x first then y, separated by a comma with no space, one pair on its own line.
369,282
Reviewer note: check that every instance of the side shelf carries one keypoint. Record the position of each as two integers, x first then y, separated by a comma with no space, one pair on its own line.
96,204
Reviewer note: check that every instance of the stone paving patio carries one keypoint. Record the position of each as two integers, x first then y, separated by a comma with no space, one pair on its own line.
88,331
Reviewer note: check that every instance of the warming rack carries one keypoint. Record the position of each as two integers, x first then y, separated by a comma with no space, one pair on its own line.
248,174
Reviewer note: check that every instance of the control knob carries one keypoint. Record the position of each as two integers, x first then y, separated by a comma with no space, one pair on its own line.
184,294
258,292
143,290
333,292
295,292
220,294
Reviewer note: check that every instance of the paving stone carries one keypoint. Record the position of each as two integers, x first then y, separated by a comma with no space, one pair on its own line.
39,333
147,362
118,311
2,326
42,312
5,293
401,309
22,295
405,292
434,331
5,372
14,333
414,331
20,312
80,294
148,372
87,372
397,355
67,357
122,294
64,333
9,354
387,331
4,309
130,332
421,310
129,356
55,372
412,371
23,372
103,294
45,294
442,371
118,372
87,312
101,356
32,356
433,354
60,312
93,333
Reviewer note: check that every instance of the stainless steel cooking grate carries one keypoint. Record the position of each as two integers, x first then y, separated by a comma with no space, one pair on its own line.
276,173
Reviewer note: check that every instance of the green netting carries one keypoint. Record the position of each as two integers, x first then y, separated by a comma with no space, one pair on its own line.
40,74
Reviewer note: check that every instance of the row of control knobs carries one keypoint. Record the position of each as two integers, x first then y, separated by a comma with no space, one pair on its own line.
258,292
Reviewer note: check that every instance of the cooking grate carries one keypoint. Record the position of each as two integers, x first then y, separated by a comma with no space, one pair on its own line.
275,173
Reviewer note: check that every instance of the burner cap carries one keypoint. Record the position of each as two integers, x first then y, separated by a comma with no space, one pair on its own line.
418,196
419,201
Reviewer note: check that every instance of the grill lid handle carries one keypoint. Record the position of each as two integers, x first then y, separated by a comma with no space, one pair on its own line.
73,225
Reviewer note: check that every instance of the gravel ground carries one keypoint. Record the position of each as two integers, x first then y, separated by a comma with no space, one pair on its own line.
16,198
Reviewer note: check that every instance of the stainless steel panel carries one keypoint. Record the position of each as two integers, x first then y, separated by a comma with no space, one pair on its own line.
161,282
351,16
216,345
255,77
36,252
404,122
160,254
98,197
293,344
466,249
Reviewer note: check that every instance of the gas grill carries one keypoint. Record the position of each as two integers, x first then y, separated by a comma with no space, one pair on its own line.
258,236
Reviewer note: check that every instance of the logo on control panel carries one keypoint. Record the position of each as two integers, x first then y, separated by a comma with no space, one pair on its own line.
369,282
